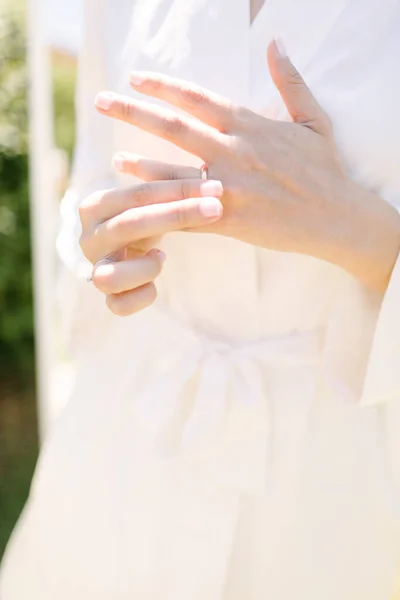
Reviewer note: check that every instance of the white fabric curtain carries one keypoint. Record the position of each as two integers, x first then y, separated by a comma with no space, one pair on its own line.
43,206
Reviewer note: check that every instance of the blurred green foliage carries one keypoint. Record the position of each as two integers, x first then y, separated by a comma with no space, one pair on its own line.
18,438
16,317
18,444
16,322
63,77
18,451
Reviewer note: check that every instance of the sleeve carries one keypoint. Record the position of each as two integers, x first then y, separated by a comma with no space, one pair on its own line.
381,388
361,364
82,315
91,166
382,379
361,357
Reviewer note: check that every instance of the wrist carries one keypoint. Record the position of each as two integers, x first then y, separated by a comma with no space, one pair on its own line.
364,236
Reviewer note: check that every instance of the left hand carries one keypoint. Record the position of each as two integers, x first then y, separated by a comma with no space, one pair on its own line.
282,181
285,186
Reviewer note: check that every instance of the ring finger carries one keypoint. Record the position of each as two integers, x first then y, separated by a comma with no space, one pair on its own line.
147,169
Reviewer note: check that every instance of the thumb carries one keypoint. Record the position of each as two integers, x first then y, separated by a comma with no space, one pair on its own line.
299,101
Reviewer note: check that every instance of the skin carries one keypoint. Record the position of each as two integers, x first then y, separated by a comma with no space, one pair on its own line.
276,185
255,7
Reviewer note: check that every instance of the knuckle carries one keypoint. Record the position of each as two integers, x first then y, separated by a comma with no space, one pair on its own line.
156,84
143,195
182,217
120,227
116,227
185,189
193,95
245,119
84,211
86,207
106,283
172,176
294,76
126,110
89,208
85,244
172,125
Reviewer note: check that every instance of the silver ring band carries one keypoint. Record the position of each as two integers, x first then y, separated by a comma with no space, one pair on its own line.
204,171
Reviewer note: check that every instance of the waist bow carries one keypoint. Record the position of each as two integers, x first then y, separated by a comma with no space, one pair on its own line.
209,402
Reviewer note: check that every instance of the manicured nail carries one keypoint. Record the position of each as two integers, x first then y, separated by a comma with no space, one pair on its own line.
161,255
155,252
210,207
119,161
104,100
104,269
280,46
211,188
136,79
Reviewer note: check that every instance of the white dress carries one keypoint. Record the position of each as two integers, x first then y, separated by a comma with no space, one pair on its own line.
240,439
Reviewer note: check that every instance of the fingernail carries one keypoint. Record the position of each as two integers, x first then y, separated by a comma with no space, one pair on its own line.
136,79
104,269
161,255
119,162
210,207
104,100
155,252
211,188
280,46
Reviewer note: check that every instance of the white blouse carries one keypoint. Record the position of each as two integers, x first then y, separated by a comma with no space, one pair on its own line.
240,438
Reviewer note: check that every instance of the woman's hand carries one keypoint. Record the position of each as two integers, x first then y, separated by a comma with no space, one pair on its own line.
285,186
121,227
281,180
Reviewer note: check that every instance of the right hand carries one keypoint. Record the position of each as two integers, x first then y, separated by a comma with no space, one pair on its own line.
120,228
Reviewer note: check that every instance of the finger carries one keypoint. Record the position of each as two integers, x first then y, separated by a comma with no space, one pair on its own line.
148,221
190,135
102,206
150,170
300,102
216,111
116,277
131,302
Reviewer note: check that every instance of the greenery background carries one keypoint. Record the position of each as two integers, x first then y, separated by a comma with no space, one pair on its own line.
18,428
